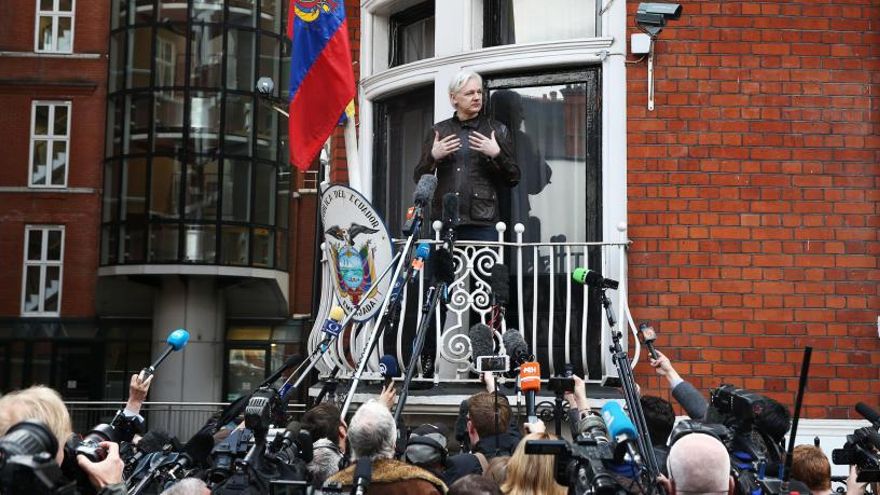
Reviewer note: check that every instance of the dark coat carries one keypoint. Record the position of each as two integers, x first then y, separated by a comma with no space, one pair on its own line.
475,178
392,477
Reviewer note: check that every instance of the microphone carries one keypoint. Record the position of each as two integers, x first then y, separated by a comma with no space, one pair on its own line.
499,280
332,327
423,252
649,336
869,413
516,347
594,279
195,453
622,430
421,197
450,219
176,341
388,368
442,267
482,343
530,384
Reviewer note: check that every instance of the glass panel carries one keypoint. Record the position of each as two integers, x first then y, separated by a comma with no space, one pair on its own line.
283,201
47,5
234,245
236,190
41,120
267,139
164,240
165,188
144,11
549,133
134,187
239,125
134,115
271,15
39,172
264,199
44,38
60,124
117,62
32,289
109,245
171,10
247,370
65,5
59,162
242,12
200,243
171,55
201,190
270,48
283,152
206,56
132,244
53,249
111,192
52,288
208,11
65,34
531,21
240,63
168,121
417,41
263,247
281,249
35,245
204,122
119,16
140,53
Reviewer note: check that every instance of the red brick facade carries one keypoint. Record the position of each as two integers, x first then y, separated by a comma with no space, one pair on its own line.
753,198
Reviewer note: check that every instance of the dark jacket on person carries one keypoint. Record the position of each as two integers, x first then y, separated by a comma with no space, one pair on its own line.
392,477
475,178
693,402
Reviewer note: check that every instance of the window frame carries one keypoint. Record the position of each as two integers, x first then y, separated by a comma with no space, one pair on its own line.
55,15
43,264
399,21
50,138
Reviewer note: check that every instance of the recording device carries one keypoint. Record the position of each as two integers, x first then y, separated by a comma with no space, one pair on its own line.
623,431
499,280
862,447
869,413
27,461
482,345
176,341
648,337
593,279
388,368
651,17
516,347
421,198
492,364
161,469
530,384
90,447
332,326
562,384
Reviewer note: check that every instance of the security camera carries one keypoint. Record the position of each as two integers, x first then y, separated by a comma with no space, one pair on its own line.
651,17
265,85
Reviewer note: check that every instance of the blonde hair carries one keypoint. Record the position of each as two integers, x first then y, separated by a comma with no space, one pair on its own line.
531,474
39,403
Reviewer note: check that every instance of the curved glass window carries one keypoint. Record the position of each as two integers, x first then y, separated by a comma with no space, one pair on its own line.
196,165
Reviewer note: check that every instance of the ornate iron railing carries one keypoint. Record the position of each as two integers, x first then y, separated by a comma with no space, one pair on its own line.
561,321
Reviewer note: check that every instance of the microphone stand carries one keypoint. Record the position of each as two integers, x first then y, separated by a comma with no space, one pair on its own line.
627,380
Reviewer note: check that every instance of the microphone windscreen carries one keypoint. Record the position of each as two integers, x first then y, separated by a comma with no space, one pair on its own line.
499,280
515,344
423,251
425,189
178,339
442,267
868,412
450,209
154,441
388,366
337,313
617,421
199,448
482,343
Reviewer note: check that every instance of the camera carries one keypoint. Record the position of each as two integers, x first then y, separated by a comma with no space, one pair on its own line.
651,17
861,450
27,461
580,466
89,445
493,364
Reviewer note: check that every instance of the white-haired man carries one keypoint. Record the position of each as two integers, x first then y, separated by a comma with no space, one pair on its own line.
372,435
699,464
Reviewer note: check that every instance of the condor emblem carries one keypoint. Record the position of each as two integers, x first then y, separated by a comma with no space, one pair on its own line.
309,10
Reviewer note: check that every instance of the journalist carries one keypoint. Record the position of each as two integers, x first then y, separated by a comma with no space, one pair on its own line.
698,464
188,486
531,474
474,484
694,404
810,465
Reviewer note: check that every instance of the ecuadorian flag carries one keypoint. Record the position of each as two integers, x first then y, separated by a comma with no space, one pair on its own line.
321,76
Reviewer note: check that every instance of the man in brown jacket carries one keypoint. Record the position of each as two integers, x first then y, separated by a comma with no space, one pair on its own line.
372,435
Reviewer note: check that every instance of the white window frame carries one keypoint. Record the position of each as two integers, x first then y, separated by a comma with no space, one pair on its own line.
51,138
43,264
55,14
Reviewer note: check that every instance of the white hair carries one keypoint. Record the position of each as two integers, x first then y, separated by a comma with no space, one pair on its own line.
372,432
187,486
325,461
459,80
699,464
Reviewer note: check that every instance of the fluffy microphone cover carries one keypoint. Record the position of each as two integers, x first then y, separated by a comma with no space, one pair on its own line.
425,189
482,343
515,345
442,266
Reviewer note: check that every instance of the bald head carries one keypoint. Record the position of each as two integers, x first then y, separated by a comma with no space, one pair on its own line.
698,464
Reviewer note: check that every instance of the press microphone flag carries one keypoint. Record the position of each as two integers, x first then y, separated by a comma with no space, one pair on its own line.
423,252
621,429
176,341
388,368
332,325
530,384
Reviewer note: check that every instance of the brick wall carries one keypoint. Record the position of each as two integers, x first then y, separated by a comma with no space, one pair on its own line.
753,198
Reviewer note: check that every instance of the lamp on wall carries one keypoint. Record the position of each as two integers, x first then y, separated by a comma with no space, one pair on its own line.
651,18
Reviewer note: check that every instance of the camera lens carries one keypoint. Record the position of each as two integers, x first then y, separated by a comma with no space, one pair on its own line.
28,438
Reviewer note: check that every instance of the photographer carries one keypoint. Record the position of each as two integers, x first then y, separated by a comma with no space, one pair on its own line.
43,404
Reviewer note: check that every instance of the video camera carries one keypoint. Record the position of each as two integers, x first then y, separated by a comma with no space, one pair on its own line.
862,449
27,462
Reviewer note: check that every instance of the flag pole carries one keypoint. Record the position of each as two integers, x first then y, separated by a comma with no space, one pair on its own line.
351,154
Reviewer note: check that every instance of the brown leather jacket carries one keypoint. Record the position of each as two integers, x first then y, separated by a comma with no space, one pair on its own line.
392,477
474,177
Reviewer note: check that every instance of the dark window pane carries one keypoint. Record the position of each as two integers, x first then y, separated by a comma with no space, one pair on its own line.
171,10
240,62
140,54
134,188
281,249
35,245
270,50
531,21
135,115
54,240
206,52
165,188
32,289
164,240
111,191
52,288
263,247
200,243
204,122
239,125
282,204
171,55
247,369
264,199
168,121
208,11
59,126
109,245
201,190
116,81
243,12
132,243
271,15
267,139
412,34
234,245
236,190
41,120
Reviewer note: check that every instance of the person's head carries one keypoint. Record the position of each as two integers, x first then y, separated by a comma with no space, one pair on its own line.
774,420
497,470
474,484
372,433
466,94
531,473
811,466
699,464
188,486
324,421
507,108
325,461
660,418
38,403
426,447
481,416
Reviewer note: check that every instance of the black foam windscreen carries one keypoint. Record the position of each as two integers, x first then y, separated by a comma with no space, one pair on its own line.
868,413
450,210
155,441
482,343
199,448
442,266
425,189
499,280
515,345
